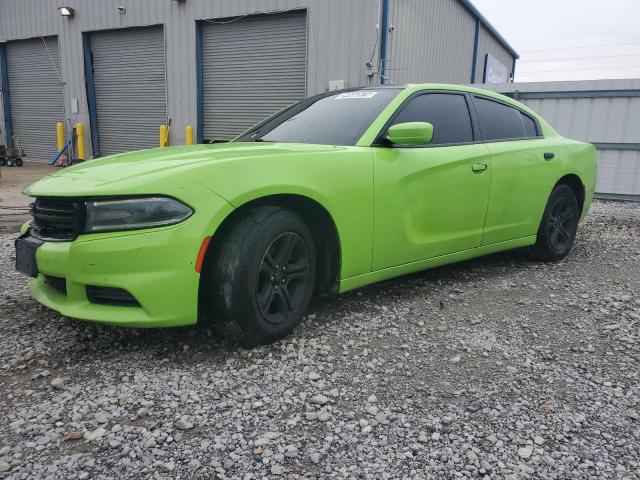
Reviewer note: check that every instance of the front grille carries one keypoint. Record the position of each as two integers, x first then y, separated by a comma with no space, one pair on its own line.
110,296
57,283
56,219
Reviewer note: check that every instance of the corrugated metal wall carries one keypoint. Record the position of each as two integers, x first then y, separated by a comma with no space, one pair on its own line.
342,35
603,112
487,43
431,41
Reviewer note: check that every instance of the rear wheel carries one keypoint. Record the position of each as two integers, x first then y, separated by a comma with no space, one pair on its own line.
263,276
559,225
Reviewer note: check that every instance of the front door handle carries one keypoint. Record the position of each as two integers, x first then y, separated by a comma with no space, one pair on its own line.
549,155
479,167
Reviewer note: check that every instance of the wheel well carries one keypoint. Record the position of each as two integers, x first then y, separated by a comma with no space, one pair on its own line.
576,185
318,220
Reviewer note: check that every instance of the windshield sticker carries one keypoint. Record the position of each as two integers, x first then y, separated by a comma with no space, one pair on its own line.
356,94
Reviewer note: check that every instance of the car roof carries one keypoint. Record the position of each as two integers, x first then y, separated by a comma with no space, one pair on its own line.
427,86
411,88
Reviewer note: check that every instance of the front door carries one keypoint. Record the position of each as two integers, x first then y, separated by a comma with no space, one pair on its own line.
431,200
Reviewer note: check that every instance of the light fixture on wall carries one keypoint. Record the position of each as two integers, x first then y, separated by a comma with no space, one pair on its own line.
67,12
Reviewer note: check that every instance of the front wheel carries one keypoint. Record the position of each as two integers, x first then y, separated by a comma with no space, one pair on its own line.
263,276
558,227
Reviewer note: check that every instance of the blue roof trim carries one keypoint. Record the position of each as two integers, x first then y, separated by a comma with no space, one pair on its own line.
384,38
474,60
6,104
199,86
483,20
91,93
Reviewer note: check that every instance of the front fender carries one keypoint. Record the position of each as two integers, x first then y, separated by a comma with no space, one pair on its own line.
340,180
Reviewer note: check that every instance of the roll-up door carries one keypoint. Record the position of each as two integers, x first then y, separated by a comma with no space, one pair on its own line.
35,95
251,68
130,88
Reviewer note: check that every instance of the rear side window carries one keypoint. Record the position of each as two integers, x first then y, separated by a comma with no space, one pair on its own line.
448,113
498,121
530,127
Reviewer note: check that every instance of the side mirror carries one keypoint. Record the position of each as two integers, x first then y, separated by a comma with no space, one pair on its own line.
410,133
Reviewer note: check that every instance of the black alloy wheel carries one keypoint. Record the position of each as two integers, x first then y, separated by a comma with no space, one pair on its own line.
259,282
562,224
559,225
284,277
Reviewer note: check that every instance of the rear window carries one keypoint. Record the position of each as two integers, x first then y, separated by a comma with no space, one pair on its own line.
530,127
499,121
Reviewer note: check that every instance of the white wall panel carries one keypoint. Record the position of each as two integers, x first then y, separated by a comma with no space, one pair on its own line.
596,111
619,172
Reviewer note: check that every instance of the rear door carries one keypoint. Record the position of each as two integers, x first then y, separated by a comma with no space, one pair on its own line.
521,176
430,200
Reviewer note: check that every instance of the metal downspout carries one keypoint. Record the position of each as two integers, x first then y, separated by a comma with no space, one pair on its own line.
384,40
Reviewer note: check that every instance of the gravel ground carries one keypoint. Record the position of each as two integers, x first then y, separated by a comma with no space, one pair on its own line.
497,368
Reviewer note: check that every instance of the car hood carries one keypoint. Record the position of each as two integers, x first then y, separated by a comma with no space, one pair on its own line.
141,170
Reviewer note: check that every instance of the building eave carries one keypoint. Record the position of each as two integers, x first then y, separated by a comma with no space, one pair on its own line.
483,20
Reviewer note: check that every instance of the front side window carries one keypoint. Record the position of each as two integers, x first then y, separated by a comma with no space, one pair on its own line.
338,118
448,113
499,121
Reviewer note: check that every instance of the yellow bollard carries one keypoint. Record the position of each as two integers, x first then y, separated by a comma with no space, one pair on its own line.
189,135
60,135
163,136
80,135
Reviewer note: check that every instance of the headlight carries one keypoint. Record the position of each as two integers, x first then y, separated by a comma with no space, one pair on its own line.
134,213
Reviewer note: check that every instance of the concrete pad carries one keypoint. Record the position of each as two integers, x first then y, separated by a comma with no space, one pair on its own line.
14,206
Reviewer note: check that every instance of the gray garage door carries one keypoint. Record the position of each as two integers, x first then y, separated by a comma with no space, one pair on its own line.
252,68
35,93
130,88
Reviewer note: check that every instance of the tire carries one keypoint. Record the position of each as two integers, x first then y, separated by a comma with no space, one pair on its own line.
3,161
10,162
19,162
263,276
558,227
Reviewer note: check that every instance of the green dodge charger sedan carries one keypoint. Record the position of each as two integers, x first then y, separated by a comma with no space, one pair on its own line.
338,191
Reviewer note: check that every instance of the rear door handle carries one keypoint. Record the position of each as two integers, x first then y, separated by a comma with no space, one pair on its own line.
479,167
549,156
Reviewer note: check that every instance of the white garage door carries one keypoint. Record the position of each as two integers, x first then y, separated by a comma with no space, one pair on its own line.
251,68
35,94
130,88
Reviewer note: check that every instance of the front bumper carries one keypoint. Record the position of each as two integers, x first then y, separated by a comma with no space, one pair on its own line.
155,266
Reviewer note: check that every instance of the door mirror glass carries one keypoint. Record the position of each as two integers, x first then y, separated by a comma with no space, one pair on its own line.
410,133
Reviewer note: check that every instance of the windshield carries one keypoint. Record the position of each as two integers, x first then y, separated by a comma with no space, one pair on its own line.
336,118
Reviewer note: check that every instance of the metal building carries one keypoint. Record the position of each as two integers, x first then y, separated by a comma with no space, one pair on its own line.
124,67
